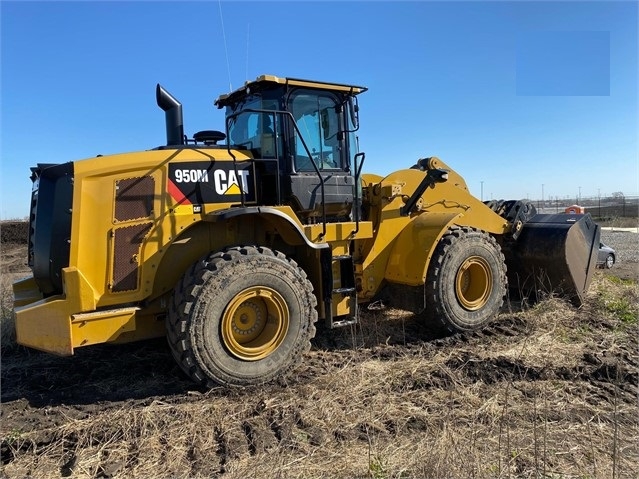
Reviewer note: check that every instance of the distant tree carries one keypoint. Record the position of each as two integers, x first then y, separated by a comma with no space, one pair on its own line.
618,195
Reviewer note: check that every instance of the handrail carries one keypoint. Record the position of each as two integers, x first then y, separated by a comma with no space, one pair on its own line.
358,172
279,113
276,159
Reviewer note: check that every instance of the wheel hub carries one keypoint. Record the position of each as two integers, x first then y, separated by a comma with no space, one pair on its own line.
474,283
255,323
247,320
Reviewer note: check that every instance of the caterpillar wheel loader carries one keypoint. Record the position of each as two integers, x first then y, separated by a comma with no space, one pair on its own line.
234,250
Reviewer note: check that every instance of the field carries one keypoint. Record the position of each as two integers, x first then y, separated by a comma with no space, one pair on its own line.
546,391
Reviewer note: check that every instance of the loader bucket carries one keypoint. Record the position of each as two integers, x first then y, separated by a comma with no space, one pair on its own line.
555,254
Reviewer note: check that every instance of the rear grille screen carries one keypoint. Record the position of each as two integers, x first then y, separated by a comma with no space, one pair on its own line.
134,198
126,256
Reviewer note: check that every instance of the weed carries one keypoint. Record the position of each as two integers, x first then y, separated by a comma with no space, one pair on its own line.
618,297
620,307
12,436
377,467
623,310
573,335
621,281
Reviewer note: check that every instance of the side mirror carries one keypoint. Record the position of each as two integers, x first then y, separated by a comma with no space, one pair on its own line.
353,108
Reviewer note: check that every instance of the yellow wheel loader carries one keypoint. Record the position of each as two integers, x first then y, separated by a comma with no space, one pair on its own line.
234,250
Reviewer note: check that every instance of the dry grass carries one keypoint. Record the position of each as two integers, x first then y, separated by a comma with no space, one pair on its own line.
619,222
7,324
549,392
361,421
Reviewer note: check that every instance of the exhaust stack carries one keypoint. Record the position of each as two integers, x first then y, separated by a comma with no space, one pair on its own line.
173,112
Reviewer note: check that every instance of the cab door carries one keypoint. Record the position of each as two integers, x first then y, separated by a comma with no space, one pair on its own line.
318,157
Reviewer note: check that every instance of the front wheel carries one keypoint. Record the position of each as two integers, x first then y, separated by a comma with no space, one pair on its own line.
240,317
466,280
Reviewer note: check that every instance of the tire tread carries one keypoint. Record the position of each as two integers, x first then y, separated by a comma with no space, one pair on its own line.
194,282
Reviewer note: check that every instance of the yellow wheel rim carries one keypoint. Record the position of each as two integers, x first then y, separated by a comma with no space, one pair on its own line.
255,323
473,283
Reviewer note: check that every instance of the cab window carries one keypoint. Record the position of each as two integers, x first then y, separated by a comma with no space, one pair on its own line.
318,123
255,130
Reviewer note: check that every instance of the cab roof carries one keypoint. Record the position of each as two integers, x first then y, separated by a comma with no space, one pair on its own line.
265,82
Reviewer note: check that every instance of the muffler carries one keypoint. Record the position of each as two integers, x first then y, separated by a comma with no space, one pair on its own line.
554,254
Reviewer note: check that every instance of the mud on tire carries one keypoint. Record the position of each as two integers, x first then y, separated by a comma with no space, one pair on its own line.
466,280
241,316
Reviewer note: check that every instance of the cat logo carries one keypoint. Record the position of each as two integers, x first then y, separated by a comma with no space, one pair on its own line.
226,182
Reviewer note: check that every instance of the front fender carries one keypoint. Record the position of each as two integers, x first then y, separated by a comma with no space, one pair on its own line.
413,249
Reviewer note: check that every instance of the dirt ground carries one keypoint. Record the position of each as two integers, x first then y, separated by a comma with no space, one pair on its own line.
549,391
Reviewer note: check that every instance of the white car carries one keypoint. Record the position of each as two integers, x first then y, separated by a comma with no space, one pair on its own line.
606,257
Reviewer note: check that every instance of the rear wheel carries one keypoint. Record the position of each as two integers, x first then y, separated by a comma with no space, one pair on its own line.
241,316
466,281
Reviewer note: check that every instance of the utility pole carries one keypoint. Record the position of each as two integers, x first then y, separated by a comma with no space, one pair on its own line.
482,190
599,201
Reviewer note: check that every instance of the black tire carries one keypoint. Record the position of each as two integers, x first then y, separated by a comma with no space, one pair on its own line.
240,317
610,261
466,280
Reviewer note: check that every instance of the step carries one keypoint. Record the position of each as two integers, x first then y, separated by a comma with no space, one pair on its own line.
345,291
344,322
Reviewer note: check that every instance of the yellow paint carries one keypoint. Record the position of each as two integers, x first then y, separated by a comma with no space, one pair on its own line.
233,190
342,305
101,326
292,82
25,292
147,326
339,231
474,283
371,179
255,323
412,249
46,324
403,245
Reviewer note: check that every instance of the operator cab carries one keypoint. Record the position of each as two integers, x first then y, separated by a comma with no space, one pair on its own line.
301,135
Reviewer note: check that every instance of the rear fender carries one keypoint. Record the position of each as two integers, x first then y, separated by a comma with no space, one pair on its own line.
218,230
288,228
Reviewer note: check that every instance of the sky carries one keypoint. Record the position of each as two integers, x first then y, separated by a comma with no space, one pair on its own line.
523,99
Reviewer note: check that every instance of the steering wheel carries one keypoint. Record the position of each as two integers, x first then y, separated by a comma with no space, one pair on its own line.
324,159
322,155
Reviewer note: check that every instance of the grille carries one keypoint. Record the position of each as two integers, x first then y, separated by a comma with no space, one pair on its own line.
134,198
126,256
